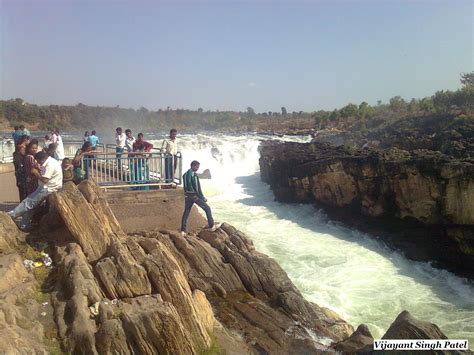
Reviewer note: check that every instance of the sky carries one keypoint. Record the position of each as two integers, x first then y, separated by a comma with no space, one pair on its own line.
228,55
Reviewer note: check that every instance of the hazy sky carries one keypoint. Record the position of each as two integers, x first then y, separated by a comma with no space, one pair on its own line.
304,55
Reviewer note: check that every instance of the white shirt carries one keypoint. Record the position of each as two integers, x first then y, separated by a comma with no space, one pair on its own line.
120,139
53,171
170,146
129,143
60,147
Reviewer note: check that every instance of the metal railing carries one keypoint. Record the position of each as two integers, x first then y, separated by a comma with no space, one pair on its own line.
139,171
7,147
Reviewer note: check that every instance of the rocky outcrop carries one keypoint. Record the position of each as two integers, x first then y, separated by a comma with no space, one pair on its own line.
20,330
160,292
422,190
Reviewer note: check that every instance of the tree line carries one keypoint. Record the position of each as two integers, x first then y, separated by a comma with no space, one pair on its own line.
80,116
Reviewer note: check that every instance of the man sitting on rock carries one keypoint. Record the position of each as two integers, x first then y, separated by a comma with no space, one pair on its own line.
50,180
193,195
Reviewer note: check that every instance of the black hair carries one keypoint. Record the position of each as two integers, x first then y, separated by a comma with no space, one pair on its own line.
194,163
118,129
128,130
22,139
86,145
93,132
41,155
173,130
140,134
16,128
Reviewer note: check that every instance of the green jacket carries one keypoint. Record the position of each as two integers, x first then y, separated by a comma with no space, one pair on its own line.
191,184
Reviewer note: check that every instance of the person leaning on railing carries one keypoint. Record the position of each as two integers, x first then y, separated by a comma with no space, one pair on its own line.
79,173
170,149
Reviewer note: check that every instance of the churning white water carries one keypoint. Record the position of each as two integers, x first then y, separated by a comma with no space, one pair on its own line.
333,266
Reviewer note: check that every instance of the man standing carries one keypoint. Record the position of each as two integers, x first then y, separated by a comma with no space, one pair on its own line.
170,149
193,195
120,138
16,134
50,180
94,140
130,140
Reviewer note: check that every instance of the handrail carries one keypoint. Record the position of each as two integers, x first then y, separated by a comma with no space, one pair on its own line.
138,170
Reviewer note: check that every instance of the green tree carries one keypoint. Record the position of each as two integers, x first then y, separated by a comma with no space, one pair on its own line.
397,104
350,110
283,111
250,111
467,79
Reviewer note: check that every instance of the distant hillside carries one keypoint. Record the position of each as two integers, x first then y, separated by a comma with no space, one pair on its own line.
352,117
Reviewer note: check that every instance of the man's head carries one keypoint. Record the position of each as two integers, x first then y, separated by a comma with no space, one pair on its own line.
66,162
173,133
41,157
52,148
195,165
22,127
128,132
93,133
46,137
118,130
86,133
15,128
140,137
24,140
21,149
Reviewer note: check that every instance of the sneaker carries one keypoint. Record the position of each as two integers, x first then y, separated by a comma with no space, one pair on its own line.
216,226
183,233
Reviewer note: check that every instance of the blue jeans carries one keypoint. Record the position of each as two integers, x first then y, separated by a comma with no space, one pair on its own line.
26,207
118,155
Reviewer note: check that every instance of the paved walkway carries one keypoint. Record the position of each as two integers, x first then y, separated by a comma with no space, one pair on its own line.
8,192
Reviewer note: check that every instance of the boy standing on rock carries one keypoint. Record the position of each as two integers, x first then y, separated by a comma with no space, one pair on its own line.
193,195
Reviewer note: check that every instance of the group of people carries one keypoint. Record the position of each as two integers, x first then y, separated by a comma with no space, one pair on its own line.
42,171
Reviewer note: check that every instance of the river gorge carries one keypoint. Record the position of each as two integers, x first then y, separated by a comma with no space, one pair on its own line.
333,265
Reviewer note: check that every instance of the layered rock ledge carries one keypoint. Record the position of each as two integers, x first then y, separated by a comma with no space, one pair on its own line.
422,201
157,292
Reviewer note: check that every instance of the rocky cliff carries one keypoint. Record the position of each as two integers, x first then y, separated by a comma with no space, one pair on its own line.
424,197
156,292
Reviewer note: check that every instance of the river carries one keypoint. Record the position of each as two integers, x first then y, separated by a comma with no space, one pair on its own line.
333,266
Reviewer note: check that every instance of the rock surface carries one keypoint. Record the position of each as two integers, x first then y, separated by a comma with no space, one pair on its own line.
422,191
160,292
20,331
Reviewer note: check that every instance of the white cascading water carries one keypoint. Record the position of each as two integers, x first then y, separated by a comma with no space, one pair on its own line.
333,266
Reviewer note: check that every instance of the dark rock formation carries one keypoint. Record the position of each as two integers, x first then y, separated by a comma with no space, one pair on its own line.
359,341
425,195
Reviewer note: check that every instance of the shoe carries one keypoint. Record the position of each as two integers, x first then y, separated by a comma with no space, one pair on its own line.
216,226
183,233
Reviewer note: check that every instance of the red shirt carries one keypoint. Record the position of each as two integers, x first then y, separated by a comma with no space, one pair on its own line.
142,145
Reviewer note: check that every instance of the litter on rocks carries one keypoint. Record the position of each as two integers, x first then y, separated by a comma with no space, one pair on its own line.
46,259
43,313
44,304
115,301
29,264
38,264
95,308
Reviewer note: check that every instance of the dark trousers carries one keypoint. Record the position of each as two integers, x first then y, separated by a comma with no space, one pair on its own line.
22,191
189,201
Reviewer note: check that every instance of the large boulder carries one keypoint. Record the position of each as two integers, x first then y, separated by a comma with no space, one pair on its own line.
406,326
